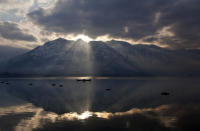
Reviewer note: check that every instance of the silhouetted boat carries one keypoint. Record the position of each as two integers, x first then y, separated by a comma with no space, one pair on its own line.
84,80
53,84
164,93
30,84
108,89
60,85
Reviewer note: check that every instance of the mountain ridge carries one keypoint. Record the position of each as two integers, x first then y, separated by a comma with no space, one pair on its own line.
63,57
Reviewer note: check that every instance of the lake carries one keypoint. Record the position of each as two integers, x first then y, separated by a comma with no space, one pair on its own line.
104,103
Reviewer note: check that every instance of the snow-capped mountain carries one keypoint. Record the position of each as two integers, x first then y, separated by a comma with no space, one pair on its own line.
65,57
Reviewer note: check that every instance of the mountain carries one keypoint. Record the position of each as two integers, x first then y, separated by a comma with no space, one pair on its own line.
8,52
113,58
160,61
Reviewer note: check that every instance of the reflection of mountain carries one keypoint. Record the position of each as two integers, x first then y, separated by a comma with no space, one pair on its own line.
124,94
63,57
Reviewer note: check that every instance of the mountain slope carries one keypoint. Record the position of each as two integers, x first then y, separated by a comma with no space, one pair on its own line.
8,52
112,58
159,61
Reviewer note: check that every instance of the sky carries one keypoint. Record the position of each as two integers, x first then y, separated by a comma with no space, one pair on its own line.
167,23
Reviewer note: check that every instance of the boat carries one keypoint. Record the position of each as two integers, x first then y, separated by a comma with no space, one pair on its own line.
165,93
84,80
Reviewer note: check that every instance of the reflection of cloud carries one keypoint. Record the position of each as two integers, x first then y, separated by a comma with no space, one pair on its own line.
41,115
160,118
26,122
151,117
17,109
165,117
10,121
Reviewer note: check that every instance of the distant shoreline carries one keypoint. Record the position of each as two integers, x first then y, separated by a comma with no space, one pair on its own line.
23,76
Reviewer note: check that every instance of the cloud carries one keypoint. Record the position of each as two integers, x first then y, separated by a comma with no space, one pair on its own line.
15,3
136,19
14,10
12,31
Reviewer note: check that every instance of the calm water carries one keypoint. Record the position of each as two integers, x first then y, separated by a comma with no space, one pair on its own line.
139,104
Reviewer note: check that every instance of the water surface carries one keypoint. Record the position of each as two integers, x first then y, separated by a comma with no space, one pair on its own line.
105,103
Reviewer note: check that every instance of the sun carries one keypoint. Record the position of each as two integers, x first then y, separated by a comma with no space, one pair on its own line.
83,37
85,115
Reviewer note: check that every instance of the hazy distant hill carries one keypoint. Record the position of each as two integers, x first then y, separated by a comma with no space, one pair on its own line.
7,52
112,58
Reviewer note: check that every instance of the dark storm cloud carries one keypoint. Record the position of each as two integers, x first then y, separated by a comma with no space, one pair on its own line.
11,31
135,19
184,17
